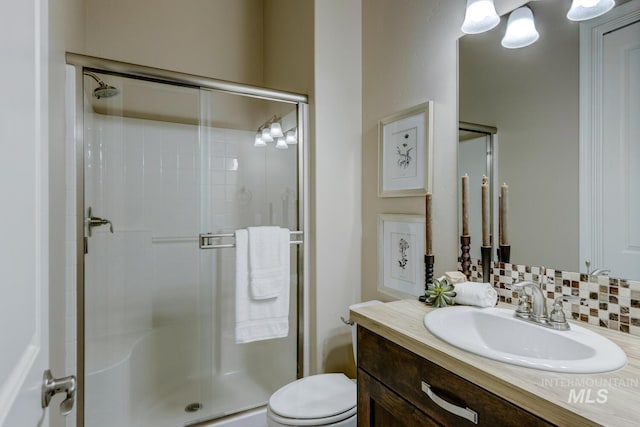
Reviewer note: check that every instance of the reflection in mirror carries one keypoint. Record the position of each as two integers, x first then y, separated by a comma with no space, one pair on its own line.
475,158
531,96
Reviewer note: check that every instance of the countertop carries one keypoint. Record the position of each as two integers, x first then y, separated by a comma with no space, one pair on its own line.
543,393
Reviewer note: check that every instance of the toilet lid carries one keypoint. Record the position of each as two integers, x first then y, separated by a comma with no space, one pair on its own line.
317,396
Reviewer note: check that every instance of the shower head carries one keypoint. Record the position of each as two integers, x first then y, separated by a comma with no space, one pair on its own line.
104,90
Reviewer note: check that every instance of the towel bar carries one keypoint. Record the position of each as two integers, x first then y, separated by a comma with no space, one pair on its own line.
206,240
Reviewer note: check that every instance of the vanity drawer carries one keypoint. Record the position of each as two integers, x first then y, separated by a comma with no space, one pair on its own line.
413,378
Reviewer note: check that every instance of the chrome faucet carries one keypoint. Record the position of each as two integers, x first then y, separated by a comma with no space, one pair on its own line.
538,307
600,272
535,309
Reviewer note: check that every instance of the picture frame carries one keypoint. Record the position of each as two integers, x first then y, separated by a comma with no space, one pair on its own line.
405,152
401,246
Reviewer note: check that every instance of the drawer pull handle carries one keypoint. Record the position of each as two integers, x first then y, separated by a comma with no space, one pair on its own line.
465,413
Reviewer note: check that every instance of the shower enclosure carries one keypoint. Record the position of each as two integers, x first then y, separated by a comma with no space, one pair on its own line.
163,159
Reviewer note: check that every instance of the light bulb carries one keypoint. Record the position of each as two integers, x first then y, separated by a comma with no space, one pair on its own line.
258,142
291,137
281,144
581,10
266,135
521,30
480,16
275,130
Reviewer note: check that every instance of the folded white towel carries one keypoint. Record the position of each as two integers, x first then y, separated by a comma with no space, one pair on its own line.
455,277
268,253
258,319
478,294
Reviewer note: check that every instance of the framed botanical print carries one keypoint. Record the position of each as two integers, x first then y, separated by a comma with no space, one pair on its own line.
401,241
405,152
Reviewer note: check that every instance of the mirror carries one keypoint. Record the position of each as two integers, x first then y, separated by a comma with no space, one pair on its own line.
475,158
531,96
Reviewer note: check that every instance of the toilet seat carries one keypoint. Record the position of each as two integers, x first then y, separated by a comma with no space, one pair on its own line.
313,422
316,400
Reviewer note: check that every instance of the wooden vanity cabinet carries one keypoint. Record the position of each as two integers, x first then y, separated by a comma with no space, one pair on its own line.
399,388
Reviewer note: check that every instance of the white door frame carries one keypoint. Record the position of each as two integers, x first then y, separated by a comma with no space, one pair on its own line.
24,293
591,125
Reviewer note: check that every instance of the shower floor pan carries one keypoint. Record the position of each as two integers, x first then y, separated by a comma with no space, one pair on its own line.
123,388
216,395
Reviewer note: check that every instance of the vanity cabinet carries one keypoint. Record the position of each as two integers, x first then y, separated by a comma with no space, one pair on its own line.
399,388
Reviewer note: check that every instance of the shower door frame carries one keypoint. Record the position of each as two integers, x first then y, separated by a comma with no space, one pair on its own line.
83,63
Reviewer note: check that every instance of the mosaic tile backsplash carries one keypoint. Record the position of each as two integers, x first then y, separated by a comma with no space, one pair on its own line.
603,301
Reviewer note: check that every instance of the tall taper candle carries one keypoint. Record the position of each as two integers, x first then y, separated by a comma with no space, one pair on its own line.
428,235
485,211
465,205
499,219
504,212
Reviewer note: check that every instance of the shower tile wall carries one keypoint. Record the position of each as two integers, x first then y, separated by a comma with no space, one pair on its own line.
140,168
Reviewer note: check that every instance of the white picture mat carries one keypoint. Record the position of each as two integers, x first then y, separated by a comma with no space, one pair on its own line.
401,241
405,152
396,174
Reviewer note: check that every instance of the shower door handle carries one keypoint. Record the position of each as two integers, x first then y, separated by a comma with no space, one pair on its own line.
52,386
94,221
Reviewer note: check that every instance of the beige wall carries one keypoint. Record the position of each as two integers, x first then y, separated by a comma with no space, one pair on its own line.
532,96
221,38
409,57
288,45
336,184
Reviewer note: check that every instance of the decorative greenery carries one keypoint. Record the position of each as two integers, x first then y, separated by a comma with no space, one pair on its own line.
440,293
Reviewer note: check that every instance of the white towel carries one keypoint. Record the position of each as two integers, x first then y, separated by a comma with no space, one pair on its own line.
478,294
258,319
268,254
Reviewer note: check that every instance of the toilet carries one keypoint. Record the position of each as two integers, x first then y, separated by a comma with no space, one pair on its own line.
318,400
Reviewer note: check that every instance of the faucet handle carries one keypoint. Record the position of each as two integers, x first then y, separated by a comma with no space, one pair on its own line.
519,286
568,298
524,305
557,319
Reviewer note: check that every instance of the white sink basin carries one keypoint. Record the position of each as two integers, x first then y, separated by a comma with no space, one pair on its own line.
495,333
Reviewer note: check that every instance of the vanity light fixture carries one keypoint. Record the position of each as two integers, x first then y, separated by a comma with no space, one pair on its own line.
271,131
521,29
291,137
581,10
275,130
266,135
480,16
258,141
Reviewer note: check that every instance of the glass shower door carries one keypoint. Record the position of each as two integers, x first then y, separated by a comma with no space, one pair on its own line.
244,185
141,286
164,164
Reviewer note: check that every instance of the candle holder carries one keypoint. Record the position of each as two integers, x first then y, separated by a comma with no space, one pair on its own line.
505,253
428,275
465,259
486,263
